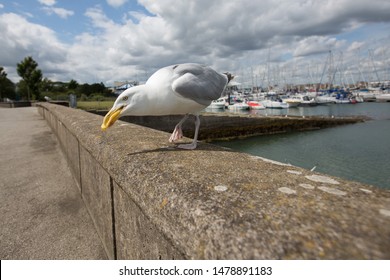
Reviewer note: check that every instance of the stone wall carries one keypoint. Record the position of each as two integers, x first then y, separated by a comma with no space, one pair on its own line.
149,200
216,126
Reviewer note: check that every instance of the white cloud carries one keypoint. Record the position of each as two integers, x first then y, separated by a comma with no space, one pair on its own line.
99,19
47,2
228,35
316,45
116,3
356,46
50,9
61,12
21,38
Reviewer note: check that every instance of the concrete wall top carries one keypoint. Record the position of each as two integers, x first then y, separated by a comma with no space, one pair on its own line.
214,203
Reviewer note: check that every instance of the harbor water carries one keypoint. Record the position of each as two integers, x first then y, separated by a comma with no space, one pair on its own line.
358,152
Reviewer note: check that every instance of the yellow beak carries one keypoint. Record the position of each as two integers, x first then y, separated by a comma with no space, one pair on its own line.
111,118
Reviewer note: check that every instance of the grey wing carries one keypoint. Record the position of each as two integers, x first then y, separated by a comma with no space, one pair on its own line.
199,83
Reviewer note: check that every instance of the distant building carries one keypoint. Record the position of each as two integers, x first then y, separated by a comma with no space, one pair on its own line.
120,87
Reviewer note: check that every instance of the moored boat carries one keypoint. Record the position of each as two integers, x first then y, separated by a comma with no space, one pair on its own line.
384,97
292,101
275,104
300,100
325,99
239,106
343,101
217,104
254,105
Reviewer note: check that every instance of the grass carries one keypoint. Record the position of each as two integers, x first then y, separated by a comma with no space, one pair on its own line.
95,105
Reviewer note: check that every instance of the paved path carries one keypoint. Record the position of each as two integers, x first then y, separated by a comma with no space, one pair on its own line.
42,215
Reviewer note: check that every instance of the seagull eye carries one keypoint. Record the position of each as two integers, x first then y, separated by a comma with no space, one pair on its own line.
125,98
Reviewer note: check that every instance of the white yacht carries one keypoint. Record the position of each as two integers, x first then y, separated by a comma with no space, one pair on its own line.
274,104
217,104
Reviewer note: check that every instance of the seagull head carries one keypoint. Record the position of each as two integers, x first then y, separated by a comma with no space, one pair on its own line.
121,106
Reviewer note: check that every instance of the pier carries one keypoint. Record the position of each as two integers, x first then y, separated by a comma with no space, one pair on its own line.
225,126
149,200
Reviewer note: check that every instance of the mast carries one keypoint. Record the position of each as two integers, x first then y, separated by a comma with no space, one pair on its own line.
373,64
363,79
330,70
268,74
323,70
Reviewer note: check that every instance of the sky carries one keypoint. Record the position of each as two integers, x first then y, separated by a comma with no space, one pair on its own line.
268,41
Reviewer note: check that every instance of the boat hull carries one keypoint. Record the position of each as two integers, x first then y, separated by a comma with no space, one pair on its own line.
275,104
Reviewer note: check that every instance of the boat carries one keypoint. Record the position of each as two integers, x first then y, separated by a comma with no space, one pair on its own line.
307,100
325,99
344,101
356,99
239,106
254,105
217,104
366,95
343,97
292,101
384,97
275,104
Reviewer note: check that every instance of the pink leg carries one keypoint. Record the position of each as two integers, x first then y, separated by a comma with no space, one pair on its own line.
195,141
178,132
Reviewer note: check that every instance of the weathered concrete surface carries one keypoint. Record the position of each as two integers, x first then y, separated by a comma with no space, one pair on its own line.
15,104
97,194
213,203
42,215
216,126
138,237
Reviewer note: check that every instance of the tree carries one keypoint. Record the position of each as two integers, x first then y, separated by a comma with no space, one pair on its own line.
98,88
72,85
84,89
7,87
46,85
3,74
28,70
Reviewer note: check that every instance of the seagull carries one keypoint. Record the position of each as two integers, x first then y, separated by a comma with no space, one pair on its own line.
173,90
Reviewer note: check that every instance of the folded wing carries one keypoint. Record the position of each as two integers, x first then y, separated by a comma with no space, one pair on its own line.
197,82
